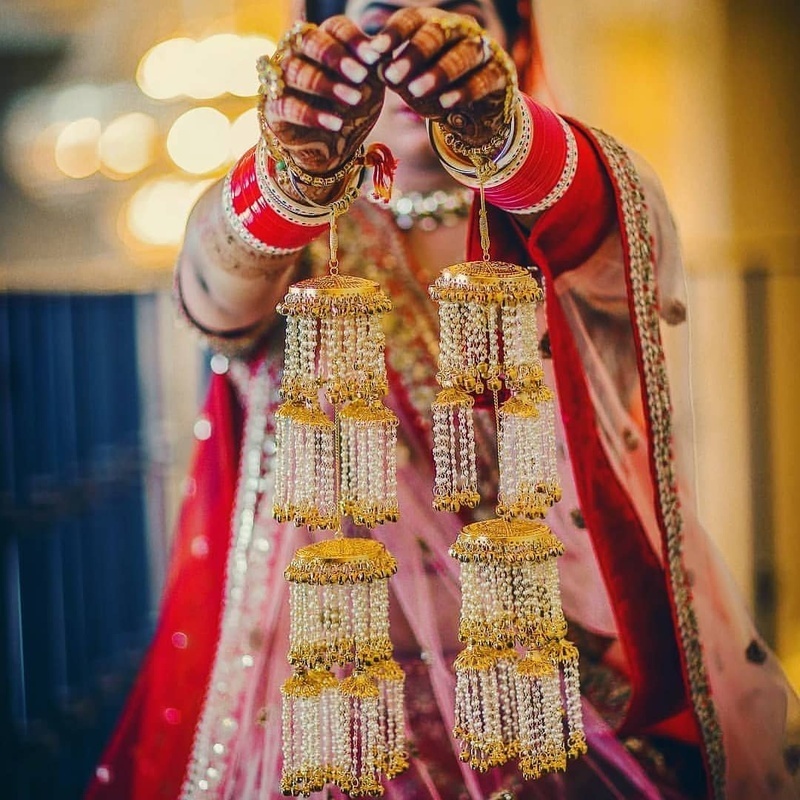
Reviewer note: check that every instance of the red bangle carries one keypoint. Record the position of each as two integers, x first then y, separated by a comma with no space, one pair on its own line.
534,169
546,172
256,215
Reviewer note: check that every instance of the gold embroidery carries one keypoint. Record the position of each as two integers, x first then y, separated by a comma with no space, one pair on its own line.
643,289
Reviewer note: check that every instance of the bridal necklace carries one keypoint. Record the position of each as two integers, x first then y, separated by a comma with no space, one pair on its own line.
427,211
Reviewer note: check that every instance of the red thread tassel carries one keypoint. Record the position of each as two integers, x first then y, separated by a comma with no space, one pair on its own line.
384,165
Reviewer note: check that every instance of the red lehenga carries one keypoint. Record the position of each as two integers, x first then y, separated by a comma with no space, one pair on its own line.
701,707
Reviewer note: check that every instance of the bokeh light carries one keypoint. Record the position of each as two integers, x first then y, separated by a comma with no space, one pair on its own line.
198,141
76,148
202,69
156,214
244,133
164,70
242,79
128,144
212,59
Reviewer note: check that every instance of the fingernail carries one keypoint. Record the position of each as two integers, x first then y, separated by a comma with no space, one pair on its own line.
421,85
382,42
449,99
330,122
353,70
350,95
367,53
397,71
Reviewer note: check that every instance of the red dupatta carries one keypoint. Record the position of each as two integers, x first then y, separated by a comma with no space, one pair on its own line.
652,603
146,757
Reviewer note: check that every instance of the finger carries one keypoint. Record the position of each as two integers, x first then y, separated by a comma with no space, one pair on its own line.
294,111
437,35
307,77
489,79
466,56
352,37
399,28
318,45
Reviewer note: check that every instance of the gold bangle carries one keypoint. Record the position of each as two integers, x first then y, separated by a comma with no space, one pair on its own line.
304,211
301,212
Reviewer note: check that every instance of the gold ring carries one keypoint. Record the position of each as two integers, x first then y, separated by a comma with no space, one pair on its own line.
486,45
453,24
270,78
270,73
293,38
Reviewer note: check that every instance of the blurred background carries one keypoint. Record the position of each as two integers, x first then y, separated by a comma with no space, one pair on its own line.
114,116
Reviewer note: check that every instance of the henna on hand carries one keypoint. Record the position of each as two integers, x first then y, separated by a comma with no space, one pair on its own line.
329,99
448,70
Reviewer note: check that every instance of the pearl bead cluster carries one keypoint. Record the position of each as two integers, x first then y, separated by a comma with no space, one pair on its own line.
304,470
487,326
368,433
346,730
456,482
334,339
338,623
335,344
529,483
517,682
489,338
347,727
507,707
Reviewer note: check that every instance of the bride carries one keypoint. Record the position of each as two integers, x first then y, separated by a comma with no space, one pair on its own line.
680,696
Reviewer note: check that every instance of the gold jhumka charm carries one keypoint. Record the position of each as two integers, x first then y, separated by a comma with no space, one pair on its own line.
343,719
335,346
517,681
346,731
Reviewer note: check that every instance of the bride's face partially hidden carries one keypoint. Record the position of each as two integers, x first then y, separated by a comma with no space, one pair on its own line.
398,126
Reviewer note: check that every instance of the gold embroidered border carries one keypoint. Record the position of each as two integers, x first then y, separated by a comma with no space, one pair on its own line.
659,406
251,562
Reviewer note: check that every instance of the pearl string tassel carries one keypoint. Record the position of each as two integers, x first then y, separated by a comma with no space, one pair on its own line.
517,682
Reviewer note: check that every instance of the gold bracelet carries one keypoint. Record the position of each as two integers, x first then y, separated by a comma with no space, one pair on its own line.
283,158
303,212
288,207
504,164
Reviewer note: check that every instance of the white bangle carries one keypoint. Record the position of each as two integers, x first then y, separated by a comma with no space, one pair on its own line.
507,162
237,224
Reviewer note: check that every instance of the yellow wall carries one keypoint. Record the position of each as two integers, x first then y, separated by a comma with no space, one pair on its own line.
707,91
764,113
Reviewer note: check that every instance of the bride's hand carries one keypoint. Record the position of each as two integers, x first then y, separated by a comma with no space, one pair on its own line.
319,98
448,69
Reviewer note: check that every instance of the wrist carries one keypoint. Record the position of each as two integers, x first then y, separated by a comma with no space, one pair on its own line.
262,216
544,171
459,158
532,171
